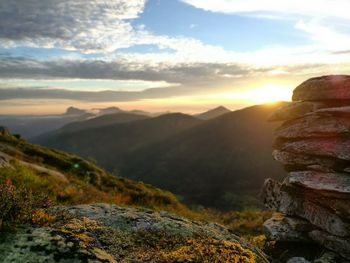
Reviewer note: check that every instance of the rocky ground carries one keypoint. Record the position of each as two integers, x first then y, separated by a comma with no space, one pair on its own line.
108,233
313,144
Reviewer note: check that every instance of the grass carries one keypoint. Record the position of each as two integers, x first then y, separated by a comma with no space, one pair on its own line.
87,182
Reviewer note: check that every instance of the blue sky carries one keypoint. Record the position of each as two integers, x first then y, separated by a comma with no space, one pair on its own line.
181,55
232,32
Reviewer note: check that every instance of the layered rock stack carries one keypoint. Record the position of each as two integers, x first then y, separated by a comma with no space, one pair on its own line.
313,143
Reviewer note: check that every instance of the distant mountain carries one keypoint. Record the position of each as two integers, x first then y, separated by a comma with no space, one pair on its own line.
108,145
109,110
75,111
30,126
213,113
220,163
95,122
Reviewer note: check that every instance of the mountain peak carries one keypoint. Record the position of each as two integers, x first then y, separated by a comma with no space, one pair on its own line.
74,111
110,110
220,108
213,113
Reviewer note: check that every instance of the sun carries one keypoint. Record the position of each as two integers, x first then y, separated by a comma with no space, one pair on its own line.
271,93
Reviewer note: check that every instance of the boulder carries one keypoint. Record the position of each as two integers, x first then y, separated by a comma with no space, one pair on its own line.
343,111
313,144
332,242
317,214
300,162
283,228
335,182
314,125
298,109
332,87
298,260
335,147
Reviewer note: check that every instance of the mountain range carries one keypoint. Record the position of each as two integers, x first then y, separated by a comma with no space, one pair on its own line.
204,162
30,126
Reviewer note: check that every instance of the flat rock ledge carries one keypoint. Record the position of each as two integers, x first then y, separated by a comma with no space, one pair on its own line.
312,204
108,233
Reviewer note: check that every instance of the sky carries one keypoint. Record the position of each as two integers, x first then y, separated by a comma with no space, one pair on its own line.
160,55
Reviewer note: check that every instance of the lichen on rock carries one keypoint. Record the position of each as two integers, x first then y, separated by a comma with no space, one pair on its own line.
108,233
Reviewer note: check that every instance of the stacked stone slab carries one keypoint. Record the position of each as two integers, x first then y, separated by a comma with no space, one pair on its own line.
313,143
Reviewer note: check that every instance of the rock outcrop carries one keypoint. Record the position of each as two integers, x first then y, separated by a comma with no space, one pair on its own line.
313,203
108,233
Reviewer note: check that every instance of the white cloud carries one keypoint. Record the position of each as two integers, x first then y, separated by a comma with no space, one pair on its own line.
104,26
76,25
325,36
309,8
88,27
323,43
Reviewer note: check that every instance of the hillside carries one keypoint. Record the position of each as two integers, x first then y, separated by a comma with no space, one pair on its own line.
213,113
69,179
221,163
108,145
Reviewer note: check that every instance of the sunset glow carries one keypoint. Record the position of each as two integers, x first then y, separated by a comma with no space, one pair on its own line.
165,55
270,93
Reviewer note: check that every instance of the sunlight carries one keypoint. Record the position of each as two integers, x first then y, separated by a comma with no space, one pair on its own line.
264,94
271,93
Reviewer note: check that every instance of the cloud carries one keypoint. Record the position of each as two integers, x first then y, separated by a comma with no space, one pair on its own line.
271,8
192,78
87,96
77,25
325,36
194,74
94,26
104,27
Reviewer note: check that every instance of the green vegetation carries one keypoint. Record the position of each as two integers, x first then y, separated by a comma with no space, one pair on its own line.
16,205
82,182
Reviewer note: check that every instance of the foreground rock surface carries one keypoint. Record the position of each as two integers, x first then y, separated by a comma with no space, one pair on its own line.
108,233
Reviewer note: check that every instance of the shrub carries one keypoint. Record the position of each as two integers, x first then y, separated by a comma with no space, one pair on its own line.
17,205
